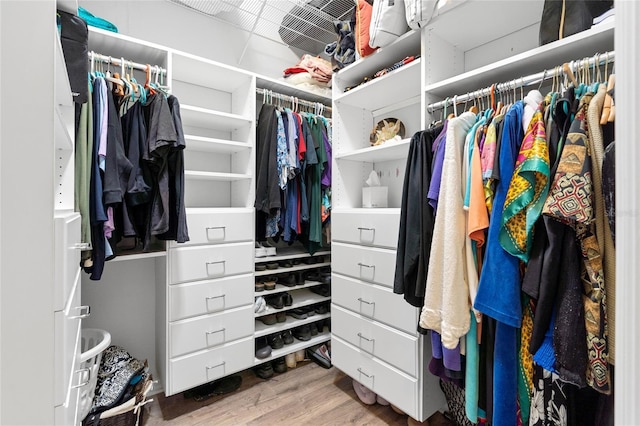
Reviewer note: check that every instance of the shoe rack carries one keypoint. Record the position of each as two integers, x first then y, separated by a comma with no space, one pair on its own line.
302,296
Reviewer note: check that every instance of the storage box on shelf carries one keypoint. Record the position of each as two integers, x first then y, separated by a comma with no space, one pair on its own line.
301,292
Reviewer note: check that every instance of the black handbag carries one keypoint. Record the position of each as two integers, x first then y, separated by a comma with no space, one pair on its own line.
562,18
74,37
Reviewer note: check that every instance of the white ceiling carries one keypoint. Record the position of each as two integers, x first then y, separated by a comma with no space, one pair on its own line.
309,29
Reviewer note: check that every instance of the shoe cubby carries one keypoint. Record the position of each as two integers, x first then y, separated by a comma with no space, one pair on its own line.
300,275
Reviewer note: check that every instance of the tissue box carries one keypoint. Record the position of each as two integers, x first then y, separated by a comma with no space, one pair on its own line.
374,196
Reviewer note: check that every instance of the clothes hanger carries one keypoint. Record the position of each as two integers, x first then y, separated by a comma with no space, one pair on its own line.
606,114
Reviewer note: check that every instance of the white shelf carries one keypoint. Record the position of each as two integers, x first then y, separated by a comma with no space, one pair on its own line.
295,346
222,146
211,119
385,152
118,46
137,256
481,16
406,45
303,297
264,330
215,176
281,288
208,73
399,85
285,253
586,43
281,86
300,267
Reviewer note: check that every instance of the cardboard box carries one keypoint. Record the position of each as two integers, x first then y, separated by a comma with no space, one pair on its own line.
374,196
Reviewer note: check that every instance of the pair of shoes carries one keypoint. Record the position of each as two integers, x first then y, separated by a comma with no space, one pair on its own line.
323,290
275,300
285,263
321,277
290,360
272,265
263,350
261,267
302,333
275,341
264,371
221,386
266,248
289,280
320,355
270,283
259,286
287,337
297,313
321,309
318,325
281,317
269,319
287,299
279,365
260,251
260,305
365,394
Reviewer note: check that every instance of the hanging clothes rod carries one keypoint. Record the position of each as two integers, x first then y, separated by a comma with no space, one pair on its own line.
121,61
574,66
292,99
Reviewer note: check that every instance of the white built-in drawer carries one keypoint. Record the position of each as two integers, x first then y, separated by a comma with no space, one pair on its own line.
390,383
374,302
372,227
67,345
195,334
366,263
392,346
202,367
215,226
206,262
67,256
207,297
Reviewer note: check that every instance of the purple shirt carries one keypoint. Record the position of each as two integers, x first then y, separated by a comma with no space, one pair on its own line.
436,174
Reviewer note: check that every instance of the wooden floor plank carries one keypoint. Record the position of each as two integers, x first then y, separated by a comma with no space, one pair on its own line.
306,395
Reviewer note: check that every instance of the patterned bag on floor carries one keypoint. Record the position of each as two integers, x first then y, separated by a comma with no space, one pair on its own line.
456,403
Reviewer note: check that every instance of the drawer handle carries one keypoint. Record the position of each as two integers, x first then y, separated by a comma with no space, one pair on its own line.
88,379
215,297
215,366
211,228
365,374
364,265
85,312
216,263
361,300
82,246
214,332
368,340
372,230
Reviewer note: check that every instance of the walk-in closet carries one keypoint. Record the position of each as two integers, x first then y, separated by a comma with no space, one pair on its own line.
319,212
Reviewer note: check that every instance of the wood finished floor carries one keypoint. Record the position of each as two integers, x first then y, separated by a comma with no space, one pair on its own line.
306,395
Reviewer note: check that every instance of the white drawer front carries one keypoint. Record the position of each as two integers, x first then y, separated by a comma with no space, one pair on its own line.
209,226
200,298
67,345
191,371
67,253
206,262
374,302
396,348
210,331
365,263
393,385
372,227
